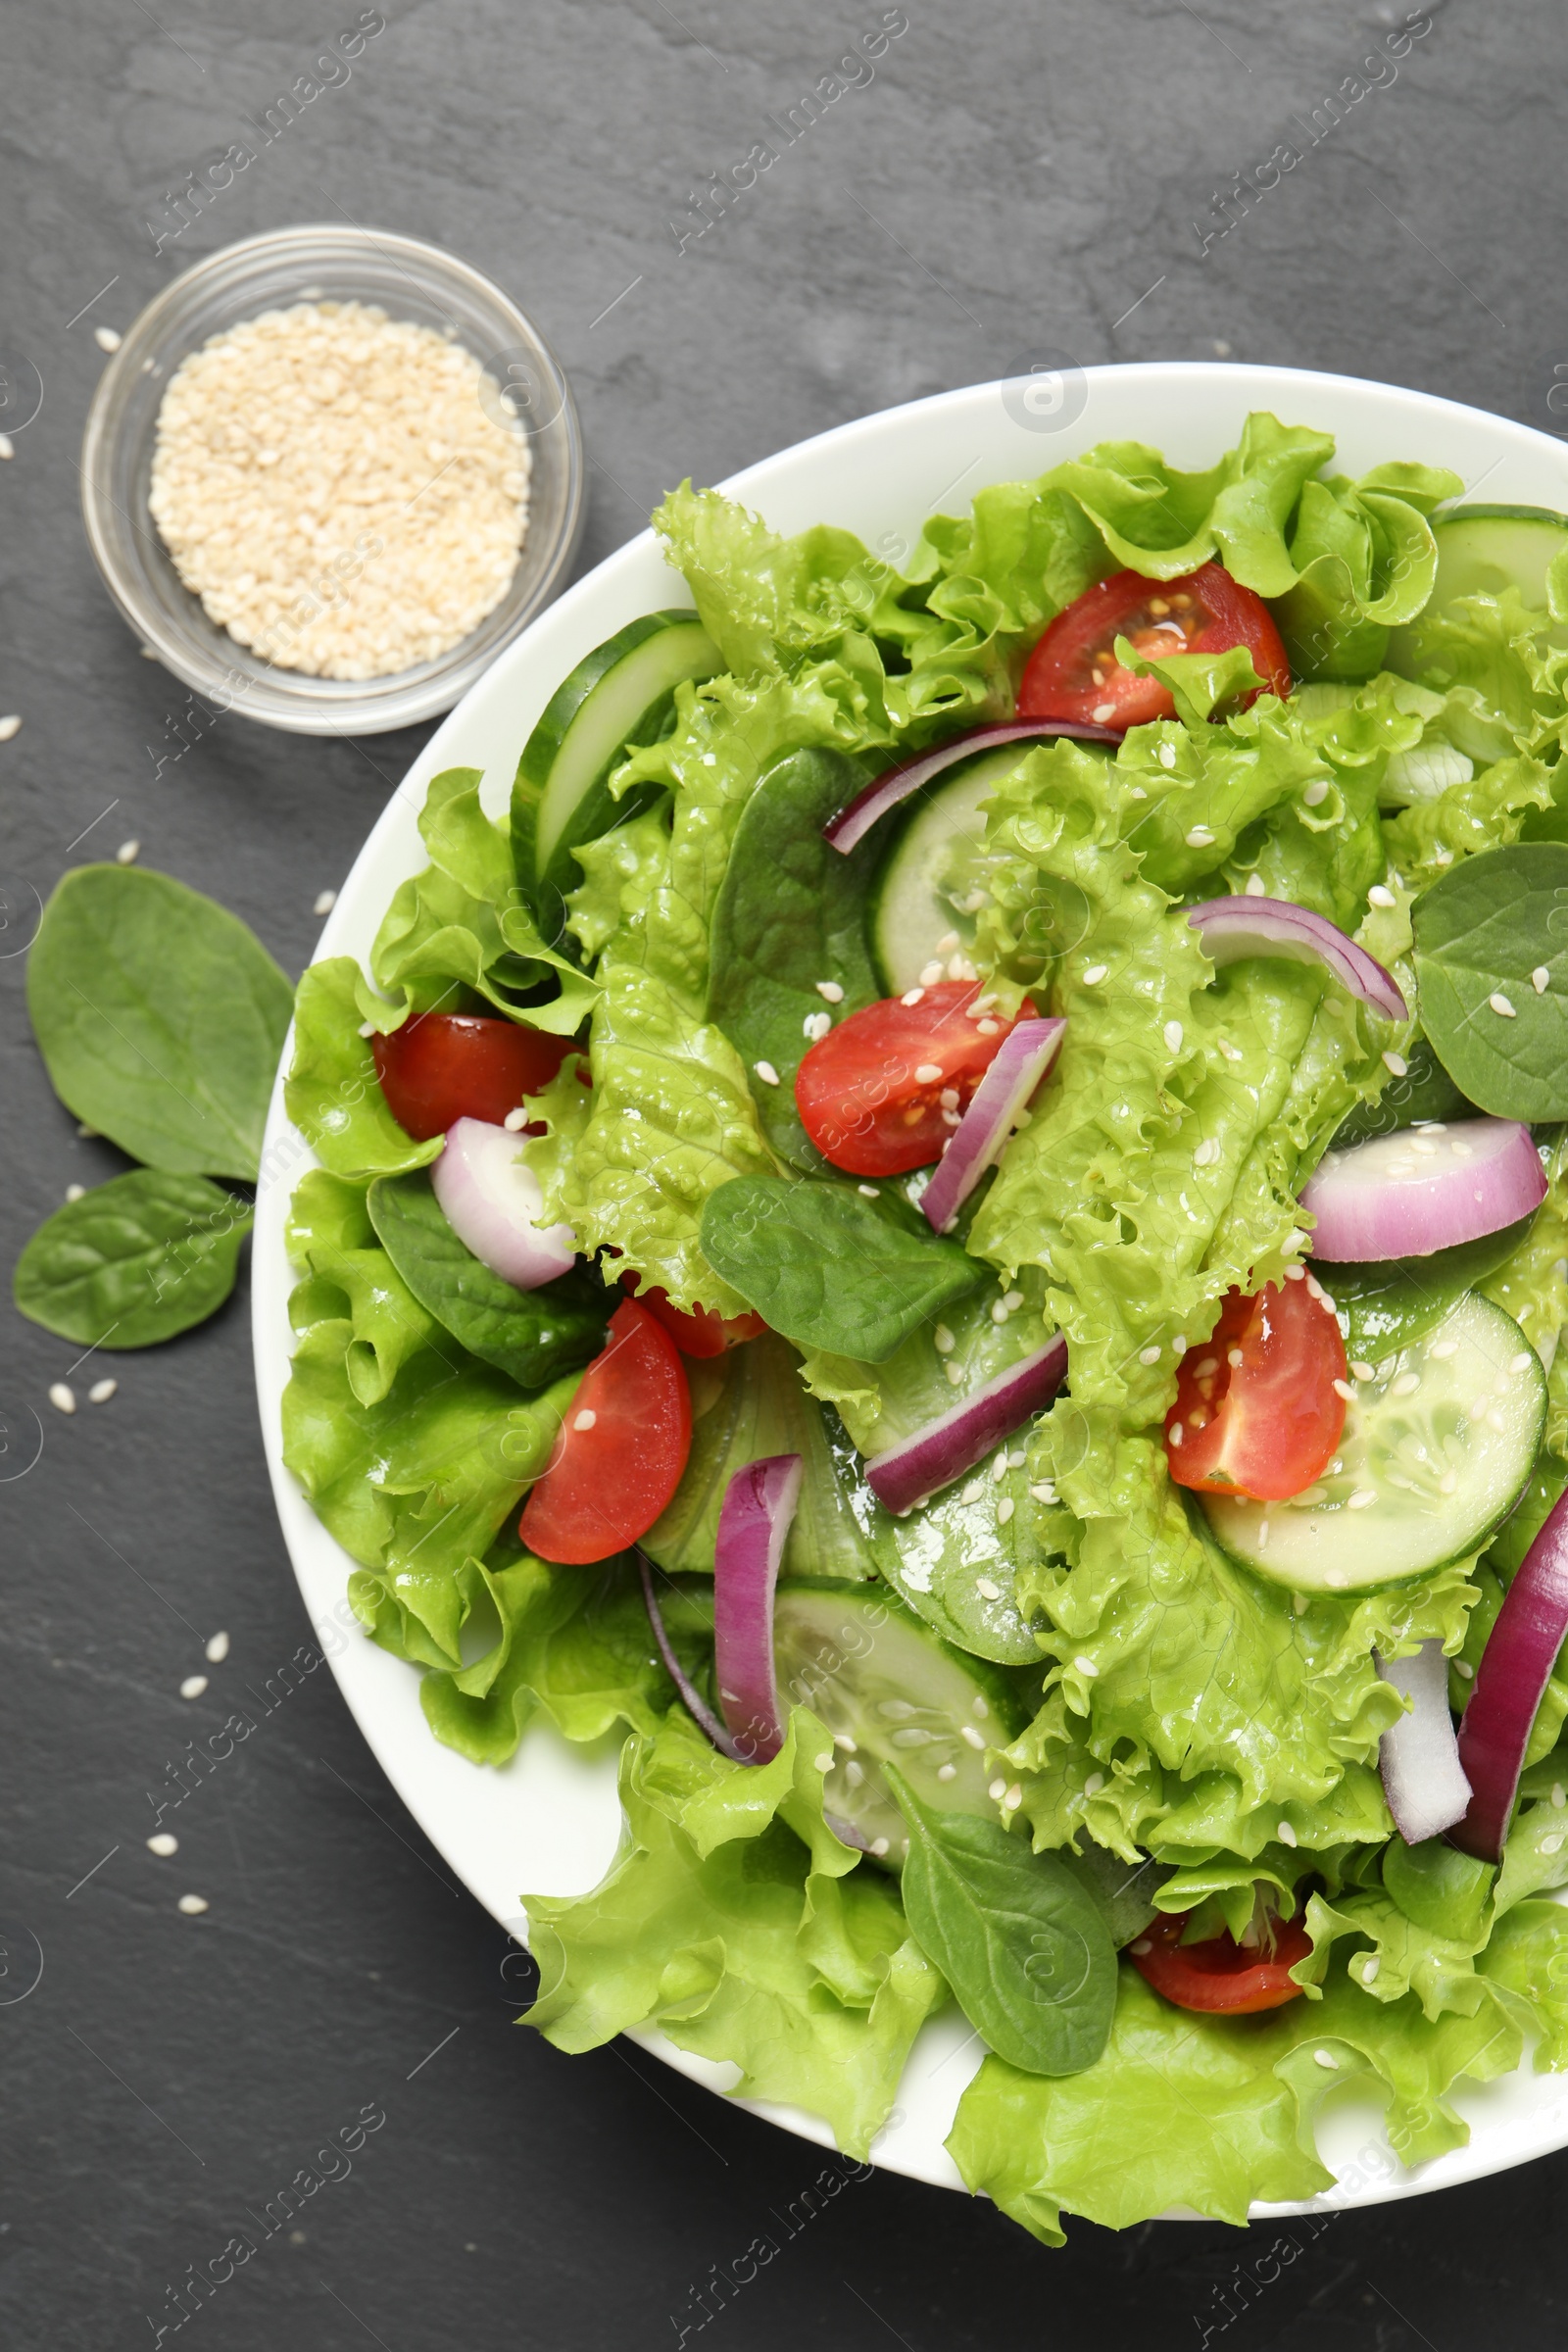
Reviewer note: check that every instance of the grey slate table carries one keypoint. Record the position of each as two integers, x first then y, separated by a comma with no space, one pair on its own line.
1009,177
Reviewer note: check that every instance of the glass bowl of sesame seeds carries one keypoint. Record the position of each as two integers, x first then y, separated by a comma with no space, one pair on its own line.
328,475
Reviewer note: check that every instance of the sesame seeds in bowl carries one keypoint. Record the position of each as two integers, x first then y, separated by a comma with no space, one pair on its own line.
328,475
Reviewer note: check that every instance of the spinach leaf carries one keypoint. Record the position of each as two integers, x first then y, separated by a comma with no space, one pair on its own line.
1123,1896
332,1092
161,1019
1020,1941
531,1335
134,1262
791,911
1480,933
828,1268
1392,1303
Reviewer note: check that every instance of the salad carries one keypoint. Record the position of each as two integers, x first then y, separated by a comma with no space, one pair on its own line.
957,1230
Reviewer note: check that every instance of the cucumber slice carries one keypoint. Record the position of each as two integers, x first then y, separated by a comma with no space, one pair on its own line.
1481,551
621,695
890,1691
1440,1443
936,871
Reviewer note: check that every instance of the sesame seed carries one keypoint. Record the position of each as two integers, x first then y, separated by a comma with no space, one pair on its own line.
193,1905
516,1121
1102,714
325,901
1044,1493
1464,1670
1012,1301
1554,1843
1176,1433
986,1588
949,1098
869,1191
1207,1154
1343,1387
1095,974
1257,887
1425,1147
163,1843
968,1732
1149,1356
947,1772
1136,792
1173,1036
1094,1783
1167,755
829,991
101,1390
62,1397
979,1708
987,1028
999,1312
1540,979
1315,794
1140,1946
1296,1273
1262,1534
193,1686
1559,1795
1005,1509
997,1790
767,1072
942,1341
816,1026
824,1762
1501,1005
9,727
1381,896
879,1846
1086,1666
931,973
912,996
1370,1965
218,1650
367,1029
1326,2057
1522,1361
8,448
1443,1349
76,1192
106,338
1363,1371
1396,1064
955,1373
1200,837
128,852
927,1072
585,1419
1285,1834
1359,1500
1405,1385
947,943
1177,1346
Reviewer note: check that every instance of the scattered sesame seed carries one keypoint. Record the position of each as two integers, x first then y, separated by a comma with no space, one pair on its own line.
1177,1346
1381,896
947,1772
1149,1356
106,338
931,973
927,1072
1464,1670
1102,714
949,1098
816,1025
1396,1064
996,1792
163,1843
1095,974
1176,1433
101,1390
63,1399
879,1846
979,1708
986,1588
824,1762
1343,1387
1554,1843
585,1419
1044,1493
218,1650
1324,2057
998,1468
942,1341
947,943
1443,1349
1086,1666
1136,792
1207,1154
1370,1965
1094,1783
367,1029
1559,1795
1200,837
968,1732
8,448
9,727
193,1686
516,1121
912,996
1540,979
1005,1509
987,1028
830,992
1012,1301
193,1905
1173,1036
1167,755
1296,1273
767,1072
1405,1385
1261,1534
1501,1005
999,1312
325,901
76,1192
1257,887
1285,1834
1315,794
128,852
869,1191
955,1373
1522,1361
1359,1500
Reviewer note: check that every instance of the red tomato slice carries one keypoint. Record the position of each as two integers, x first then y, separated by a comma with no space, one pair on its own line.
871,1093
1219,1975
622,1450
1073,672
445,1066
1257,1410
696,1331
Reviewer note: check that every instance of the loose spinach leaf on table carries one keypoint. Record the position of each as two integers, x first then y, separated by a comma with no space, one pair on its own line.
1482,933
1020,1941
134,1262
830,1269
161,1019
532,1334
791,911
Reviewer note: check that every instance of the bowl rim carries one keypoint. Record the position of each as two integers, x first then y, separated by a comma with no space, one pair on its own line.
434,1783
298,704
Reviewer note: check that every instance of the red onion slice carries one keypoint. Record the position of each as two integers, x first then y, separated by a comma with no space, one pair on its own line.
1232,928
851,824
491,1198
946,1448
1021,1061
1425,1189
1510,1681
754,1520
1418,1756
697,1708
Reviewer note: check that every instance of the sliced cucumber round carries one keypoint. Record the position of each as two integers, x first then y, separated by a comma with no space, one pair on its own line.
890,1690
621,696
1481,551
934,880
1437,1447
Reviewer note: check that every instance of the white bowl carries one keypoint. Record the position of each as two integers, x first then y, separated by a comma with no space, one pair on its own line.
549,1820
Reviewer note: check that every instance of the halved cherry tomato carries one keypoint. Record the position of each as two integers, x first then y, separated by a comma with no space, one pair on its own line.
1257,1410
882,1092
1220,1973
1073,672
696,1331
622,1450
445,1066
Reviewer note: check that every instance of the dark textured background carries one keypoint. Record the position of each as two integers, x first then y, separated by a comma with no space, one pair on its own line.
1014,177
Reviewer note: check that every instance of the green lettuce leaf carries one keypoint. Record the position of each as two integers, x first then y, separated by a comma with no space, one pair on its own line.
331,1093
329,1233
735,1920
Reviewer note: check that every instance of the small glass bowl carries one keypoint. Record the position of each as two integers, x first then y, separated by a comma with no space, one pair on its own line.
409,280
